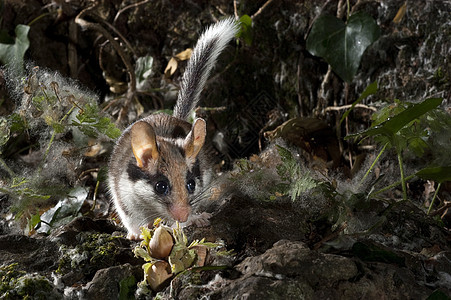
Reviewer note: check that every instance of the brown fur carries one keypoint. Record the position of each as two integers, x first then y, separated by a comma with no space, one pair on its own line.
153,154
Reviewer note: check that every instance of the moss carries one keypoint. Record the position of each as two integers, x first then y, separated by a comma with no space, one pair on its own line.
33,285
9,276
94,252
103,248
16,284
441,78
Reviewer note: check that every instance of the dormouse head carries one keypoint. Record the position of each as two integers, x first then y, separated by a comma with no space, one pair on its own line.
170,167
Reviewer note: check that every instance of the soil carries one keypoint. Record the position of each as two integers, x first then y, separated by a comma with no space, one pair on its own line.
332,242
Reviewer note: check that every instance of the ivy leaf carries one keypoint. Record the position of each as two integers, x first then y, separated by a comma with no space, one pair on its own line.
438,174
13,53
342,45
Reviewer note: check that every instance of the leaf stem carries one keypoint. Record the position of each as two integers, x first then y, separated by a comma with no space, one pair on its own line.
433,198
392,185
374,163
47,151
68,113
348,10
94,198
39,17
403,179
8,169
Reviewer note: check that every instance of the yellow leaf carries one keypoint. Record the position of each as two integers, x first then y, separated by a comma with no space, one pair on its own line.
184,55
171,67
400,14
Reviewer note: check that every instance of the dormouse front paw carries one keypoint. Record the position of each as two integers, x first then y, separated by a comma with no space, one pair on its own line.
201,220
134,236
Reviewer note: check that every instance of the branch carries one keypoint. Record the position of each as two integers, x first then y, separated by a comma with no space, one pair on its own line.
358,105
125,59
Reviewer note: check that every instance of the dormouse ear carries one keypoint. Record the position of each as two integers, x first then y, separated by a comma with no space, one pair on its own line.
144,144
195,139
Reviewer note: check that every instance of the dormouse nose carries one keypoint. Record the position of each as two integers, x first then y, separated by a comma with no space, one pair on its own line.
180,212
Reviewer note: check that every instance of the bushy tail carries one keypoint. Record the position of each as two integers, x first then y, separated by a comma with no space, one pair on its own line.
202,60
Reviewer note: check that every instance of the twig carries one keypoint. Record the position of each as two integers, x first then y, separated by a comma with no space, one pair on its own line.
433,198
128,7
351,163
261,9
125,59
215,109
72,57
330,108
340,8
441,209
356,5
126,42
298,84
322,92
86,172
235,10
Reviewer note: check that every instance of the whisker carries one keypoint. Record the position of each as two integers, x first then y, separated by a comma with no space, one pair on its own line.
148,220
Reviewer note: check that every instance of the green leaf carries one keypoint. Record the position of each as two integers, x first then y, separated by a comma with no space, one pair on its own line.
90,123
143,69
102,175
34,220
373,252
18,124
390,127
141,252
5,38
127,287
65,210
13,54
108,128
438,295
342,45
438,174
388,111
4,132
298,179
246,29
370,90
417,145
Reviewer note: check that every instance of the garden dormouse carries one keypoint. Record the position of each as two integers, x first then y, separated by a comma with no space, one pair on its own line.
160,166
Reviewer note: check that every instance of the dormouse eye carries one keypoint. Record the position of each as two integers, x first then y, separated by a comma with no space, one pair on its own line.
162,187
191,186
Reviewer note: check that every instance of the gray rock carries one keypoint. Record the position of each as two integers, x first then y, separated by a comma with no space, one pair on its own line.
290,270
106,284
31,254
